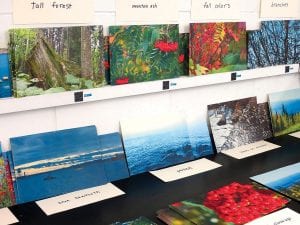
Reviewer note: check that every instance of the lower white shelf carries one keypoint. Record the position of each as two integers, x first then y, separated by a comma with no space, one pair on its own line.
11,105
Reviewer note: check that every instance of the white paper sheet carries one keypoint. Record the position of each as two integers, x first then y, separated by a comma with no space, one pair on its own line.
283,217
250,149
296,134
185,170
78,198
64,11
6,217
279,9
147,11
216,9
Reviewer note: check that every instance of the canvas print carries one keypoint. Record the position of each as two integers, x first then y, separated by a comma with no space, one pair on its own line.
183,57
236,202
5,76
197,213
155,142
57,59
263,115
106,59
9,160
138,221
170,217
143,53
276,43
217,47
6,189
285,111
113,156
234,123
285,180
199,137
58,162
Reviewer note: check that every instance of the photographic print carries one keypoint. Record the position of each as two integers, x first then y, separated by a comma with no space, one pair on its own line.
139,221
285,180
170,217
155,142
234,123
217,47
276,43
197,213
236,202
55,163
113,156
5,76
50,60
6,188
199,136
285,111
183,57
143,53
264,118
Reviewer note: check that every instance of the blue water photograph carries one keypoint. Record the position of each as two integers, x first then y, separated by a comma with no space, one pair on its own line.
155,142
113,156
285,111
285,180
54,163
199,137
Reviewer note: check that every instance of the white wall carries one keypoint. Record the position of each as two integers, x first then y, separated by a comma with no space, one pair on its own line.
106,114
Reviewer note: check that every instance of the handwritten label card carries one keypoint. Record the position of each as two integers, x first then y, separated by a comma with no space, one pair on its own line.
149,11
7,217
78,198
250,149
296,134
185,170
45,11
283,217
216,9
280,9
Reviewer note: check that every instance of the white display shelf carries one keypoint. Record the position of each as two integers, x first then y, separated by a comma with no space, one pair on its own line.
12,105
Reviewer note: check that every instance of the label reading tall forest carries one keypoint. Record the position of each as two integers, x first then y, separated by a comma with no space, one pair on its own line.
154,11
280,9
215,9
46,11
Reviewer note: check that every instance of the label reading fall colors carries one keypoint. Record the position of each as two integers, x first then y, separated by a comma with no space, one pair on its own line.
280,9
215,9
45,11
152,11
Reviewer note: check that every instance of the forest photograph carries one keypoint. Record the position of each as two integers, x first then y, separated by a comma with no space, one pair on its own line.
143,53
50,60
276,43
217,48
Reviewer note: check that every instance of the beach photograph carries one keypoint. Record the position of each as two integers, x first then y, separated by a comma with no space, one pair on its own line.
59,162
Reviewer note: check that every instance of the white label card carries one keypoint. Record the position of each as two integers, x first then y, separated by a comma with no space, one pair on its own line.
7,217
296,134
77,199
279,8
283,217
185,170
150,11
216,9
45,11
250,149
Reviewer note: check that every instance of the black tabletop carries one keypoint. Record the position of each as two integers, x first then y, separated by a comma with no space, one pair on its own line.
145,194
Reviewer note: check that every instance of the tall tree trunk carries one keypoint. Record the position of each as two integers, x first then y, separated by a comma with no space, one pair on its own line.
86,54
286,41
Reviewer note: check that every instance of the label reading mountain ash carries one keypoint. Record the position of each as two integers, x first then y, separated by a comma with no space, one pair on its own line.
45,11
152,11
